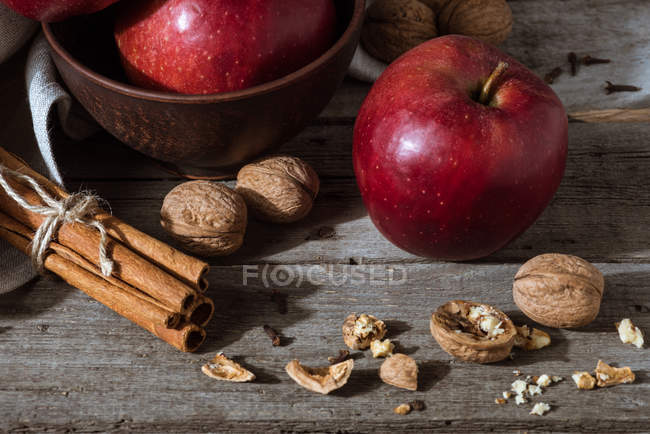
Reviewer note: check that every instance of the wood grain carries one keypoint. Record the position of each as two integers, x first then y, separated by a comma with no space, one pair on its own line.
70,364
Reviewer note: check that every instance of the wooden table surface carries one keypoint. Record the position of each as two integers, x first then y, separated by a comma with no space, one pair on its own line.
68,363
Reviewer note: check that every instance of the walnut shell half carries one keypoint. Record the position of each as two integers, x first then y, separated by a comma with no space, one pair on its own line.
321,380
557,290
393,27
207,218
474,332
278,189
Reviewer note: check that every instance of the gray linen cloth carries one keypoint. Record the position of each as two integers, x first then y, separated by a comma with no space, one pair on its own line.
31,139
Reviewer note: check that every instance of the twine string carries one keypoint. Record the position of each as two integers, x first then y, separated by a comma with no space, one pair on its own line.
77,208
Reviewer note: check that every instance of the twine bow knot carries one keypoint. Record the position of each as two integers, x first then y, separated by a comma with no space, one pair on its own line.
76,208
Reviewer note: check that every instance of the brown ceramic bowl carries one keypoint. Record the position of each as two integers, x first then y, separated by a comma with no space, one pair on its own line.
202,134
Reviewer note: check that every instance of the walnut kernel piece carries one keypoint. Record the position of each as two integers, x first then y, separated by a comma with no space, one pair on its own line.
403,409
278,189
222,368
321,380
629,333
529,340
558,290
543,380
540,408
584,380
400,370
207,218
609,376
381,348
500,401
359,331
473,332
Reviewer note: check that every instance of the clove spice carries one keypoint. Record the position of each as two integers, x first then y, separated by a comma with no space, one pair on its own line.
588,60
611,88
552,75
275,337
573,60
342,357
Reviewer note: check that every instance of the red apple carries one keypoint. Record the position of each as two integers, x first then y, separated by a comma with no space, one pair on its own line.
446,173
56,10
210,46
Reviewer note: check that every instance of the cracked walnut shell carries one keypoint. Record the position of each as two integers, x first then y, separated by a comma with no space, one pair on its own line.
474,332
400,370
320,380
360,330
278,189
557,290
222,368
207,218
392,27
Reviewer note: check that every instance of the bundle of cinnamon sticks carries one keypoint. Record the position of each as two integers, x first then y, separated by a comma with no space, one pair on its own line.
152,284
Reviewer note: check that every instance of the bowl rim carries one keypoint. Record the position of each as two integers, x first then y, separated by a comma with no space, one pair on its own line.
260,89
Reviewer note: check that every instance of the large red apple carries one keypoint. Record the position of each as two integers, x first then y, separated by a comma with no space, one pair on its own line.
56,10
210,46
450,166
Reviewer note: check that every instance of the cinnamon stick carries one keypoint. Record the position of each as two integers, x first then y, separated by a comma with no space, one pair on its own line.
186,268
201,311
129,266
188,337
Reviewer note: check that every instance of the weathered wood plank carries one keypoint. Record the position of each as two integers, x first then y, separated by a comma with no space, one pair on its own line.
600,211
69,363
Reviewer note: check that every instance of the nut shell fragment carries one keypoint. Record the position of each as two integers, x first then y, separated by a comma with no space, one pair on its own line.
360,330
222,368
559,290
462,336
400,370
321,380
610,376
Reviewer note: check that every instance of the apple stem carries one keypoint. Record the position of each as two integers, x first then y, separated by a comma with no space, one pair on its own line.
486,91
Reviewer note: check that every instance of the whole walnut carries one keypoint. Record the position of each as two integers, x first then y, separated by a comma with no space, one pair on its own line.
278,189
557,290
207,218
487,20
393,27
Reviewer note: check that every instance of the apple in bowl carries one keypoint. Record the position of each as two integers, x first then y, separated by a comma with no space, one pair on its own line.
213,46
458,148
56,10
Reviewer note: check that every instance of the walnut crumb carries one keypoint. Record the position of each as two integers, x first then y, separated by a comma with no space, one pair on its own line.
531,339
629,333
543,380
540,408
507,395
517,372
556,378
417,405
381,348
500,401
403,409
520,399
584,380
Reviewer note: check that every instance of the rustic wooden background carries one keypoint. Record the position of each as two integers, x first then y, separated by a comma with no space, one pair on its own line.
69,364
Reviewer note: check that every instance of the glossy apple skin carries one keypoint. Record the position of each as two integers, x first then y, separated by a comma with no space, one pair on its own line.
445,177
56,10
211,46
